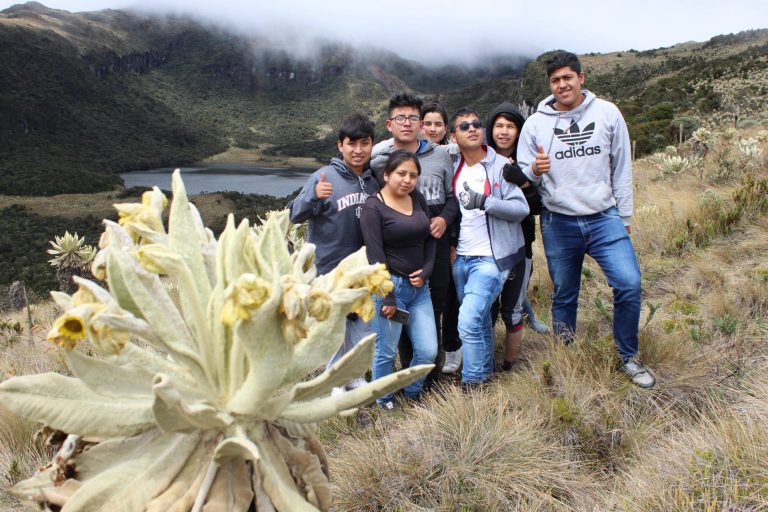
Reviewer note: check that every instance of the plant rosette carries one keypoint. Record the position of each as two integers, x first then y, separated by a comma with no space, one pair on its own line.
199,395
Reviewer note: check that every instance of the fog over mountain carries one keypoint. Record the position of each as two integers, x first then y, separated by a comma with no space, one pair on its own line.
440,32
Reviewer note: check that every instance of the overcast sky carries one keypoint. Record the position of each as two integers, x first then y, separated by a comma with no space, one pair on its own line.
458,30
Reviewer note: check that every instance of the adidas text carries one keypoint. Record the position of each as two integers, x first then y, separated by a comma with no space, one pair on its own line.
573,153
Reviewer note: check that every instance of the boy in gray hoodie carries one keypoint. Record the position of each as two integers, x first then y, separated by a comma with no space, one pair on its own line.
332,200
576,149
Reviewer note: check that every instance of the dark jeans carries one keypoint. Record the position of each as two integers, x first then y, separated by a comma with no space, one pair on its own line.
451,340
511,298
602,236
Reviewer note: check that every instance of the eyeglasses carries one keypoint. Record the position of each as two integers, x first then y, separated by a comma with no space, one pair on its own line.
401,119
464,126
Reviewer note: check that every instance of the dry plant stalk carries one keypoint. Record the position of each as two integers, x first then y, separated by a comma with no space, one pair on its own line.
218,415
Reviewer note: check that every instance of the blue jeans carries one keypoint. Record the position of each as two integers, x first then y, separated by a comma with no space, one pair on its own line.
602,236
478,283
420,328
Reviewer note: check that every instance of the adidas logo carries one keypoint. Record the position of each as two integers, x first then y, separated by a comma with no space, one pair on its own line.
573,136
576,138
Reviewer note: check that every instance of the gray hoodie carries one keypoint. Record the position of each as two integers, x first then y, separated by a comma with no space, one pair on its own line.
435,181
334,223
504,209
589,151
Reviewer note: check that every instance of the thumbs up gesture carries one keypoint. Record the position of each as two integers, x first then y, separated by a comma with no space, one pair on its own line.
323,189
542,163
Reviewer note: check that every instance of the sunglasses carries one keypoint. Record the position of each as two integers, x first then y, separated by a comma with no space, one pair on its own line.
464,126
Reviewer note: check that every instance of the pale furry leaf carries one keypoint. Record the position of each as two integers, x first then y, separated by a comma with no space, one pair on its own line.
66,404
326,407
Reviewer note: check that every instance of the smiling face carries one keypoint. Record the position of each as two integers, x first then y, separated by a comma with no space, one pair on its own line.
565,84
472,137
402,180
356,153
407,132
433,127
504,133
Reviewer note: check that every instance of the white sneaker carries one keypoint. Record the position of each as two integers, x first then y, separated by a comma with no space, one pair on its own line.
338,391
639,373
452,361
356,383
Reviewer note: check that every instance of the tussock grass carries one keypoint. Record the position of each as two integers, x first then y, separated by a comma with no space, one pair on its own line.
717,463
20,453
456,452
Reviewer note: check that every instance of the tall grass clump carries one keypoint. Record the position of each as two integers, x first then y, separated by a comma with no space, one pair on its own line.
719,462
460,452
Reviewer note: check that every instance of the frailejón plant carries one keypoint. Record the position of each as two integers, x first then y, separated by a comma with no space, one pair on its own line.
201,400
70,251
71,258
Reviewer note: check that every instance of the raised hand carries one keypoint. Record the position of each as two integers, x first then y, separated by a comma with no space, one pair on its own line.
472,200
514,174
323,189
542,163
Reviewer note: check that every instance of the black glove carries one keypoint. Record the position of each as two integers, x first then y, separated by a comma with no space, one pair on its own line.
471,200
514,174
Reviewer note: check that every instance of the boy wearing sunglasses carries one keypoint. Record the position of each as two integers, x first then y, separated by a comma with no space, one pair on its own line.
490,240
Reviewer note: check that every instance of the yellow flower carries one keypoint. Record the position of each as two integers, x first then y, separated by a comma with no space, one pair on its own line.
319,304
71,327
246,294
293,303
379,282
159,259
144,216
364,308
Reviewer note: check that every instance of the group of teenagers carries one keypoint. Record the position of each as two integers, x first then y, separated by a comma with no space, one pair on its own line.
448,205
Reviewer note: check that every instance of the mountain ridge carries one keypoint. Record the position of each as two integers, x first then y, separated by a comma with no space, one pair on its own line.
87,95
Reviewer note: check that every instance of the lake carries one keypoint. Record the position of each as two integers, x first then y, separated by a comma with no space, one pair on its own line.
248,179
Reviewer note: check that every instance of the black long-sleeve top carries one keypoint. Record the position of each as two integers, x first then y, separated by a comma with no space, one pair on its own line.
528,224
402,242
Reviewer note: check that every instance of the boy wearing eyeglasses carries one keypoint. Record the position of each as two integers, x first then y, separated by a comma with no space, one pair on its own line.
436,185
490,240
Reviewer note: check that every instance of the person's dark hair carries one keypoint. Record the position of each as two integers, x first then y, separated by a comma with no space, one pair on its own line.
404,99
398,157
356,126
437,107
462,112
560,60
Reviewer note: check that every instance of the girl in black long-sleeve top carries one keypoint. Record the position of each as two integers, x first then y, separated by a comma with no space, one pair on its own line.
395,225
